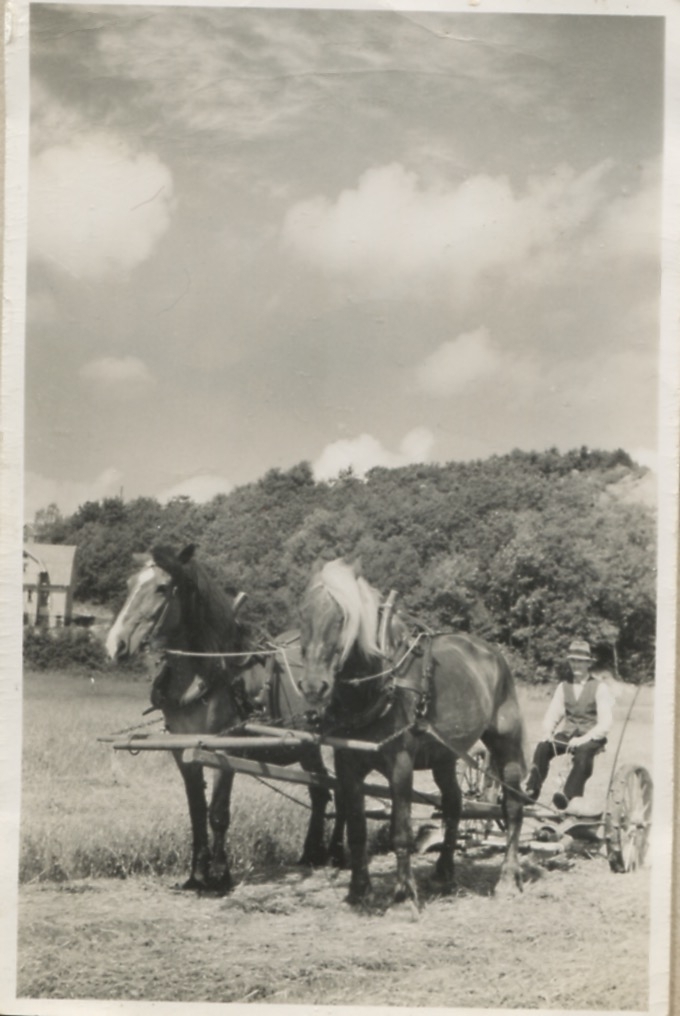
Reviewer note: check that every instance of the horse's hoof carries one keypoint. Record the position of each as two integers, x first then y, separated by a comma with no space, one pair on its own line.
338,859
220,886
363,900
192,884
509,888
405,896
314,858
361,896
217,890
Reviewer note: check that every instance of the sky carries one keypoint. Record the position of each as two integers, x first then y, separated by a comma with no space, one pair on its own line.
258,237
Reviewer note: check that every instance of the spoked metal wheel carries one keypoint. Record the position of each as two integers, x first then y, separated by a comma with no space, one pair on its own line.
478,787
628,818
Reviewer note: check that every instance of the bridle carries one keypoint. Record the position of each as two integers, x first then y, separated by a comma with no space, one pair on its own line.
160,615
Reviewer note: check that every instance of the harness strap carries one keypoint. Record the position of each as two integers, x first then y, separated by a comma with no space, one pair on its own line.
387,610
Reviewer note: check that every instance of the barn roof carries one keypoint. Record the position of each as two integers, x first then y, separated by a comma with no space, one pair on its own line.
58,559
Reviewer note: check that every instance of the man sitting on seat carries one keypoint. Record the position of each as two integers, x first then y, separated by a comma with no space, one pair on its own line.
585,705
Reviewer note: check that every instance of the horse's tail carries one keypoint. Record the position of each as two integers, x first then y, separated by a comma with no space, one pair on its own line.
526,746
509,691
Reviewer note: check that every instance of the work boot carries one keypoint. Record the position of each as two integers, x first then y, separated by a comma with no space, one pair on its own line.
532,787
560,800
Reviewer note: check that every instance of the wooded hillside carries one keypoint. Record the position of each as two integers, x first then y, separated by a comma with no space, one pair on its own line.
527,549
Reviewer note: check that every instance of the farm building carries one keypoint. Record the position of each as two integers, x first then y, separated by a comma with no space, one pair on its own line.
48,584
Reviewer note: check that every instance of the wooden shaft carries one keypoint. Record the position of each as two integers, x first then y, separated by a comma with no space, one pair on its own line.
173,742
481,809
281,732
320,739
253,768
267,737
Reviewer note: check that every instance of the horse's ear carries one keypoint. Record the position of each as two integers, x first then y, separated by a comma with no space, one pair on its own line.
140,559
168,560
186,555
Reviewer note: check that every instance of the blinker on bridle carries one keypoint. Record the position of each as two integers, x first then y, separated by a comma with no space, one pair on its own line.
161,614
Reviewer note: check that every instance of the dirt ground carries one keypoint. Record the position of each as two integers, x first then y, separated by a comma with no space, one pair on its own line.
291,939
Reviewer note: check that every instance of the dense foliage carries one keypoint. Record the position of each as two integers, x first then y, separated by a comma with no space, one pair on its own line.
63,649
526,549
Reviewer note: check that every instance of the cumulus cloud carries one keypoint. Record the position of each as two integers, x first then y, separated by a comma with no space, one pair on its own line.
457,363
68,495
364,452
201,488
630,225
97,208
122,377
391,229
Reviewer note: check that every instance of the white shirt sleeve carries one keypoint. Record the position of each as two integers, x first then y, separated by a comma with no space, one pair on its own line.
605,711
554,713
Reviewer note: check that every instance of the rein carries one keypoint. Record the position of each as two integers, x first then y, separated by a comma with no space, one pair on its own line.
224,656
385,698
160,617
391,671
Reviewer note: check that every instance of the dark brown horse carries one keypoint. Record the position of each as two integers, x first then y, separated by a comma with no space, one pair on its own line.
177,607
424,699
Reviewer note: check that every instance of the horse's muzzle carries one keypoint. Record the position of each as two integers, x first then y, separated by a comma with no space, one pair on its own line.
312,719
316,695
122,650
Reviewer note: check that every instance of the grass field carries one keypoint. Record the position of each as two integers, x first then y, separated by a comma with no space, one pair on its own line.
87,810
90,811
284,934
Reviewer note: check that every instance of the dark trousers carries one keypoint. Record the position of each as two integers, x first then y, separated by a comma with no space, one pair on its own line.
581,767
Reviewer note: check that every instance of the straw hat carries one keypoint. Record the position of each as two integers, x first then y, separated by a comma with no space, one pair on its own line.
579,650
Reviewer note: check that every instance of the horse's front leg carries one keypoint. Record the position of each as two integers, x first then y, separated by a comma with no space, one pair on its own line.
350,775
336,846
194,786
314,851
444,773
219,816
400,776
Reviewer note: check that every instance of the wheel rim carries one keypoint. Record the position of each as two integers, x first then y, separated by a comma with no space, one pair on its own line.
476,784
635,808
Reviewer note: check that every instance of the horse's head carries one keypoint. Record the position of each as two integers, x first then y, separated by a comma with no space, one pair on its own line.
197,631
339,617
147,596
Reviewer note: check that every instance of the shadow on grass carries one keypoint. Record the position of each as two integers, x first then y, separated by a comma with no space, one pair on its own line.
287,889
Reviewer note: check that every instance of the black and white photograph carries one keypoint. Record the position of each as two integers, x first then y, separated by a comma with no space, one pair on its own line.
340,425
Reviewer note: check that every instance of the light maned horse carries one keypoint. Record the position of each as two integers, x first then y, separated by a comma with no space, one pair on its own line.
176,607
423,700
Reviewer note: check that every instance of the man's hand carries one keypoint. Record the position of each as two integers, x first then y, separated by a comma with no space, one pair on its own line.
576,741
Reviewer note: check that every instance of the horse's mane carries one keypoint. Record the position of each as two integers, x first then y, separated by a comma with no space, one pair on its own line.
212,621
359,603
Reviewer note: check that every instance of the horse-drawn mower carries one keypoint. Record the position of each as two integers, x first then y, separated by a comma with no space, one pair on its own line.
388,694
620,829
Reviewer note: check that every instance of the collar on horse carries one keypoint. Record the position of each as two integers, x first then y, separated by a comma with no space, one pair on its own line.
416,640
